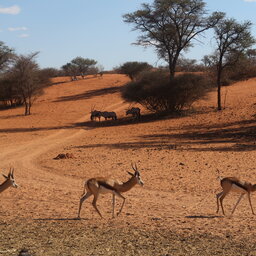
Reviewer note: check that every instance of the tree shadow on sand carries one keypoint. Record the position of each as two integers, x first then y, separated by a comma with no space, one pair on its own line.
34,129
128,120
88,125
237,136
90,94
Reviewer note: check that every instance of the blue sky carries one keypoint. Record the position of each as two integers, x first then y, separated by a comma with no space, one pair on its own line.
64,29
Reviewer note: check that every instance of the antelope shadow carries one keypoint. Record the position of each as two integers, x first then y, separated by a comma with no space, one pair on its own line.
203,216
59,219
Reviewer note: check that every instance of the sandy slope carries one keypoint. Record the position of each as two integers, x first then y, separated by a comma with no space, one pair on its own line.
173,214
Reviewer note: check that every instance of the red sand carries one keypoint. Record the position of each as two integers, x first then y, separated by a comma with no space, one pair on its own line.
173,214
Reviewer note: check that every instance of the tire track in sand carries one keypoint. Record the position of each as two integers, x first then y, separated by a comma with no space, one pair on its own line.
22,157
42,194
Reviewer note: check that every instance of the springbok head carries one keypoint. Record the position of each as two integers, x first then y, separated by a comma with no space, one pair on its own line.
136,174
10,178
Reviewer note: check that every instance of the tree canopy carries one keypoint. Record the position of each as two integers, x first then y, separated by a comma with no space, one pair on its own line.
79,66
6,55
170,26
133,68
25,78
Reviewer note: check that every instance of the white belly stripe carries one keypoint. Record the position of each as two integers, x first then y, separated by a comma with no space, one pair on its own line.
104,190
237,189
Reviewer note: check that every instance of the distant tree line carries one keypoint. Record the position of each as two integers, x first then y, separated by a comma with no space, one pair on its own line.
170,27
22,80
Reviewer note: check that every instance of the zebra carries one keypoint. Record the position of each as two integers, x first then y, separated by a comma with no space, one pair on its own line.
95,114
110,115
135,112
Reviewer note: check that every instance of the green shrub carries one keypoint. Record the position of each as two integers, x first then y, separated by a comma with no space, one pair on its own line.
158,93
133,69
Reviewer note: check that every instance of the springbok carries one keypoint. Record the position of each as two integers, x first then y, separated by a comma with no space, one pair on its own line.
110,115
135,112
233,184
99,185
9,181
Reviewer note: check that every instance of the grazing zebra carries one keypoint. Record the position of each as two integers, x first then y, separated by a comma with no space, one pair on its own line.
95,114
110,115
135,112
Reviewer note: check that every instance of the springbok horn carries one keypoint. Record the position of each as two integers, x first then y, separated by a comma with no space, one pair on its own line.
134,168
12,170
5,176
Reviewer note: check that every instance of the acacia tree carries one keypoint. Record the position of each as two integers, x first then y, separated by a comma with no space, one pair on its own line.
170,26
251,54
78,67
70,70
233,39
82,65
9,95
26,77
6,55
133,68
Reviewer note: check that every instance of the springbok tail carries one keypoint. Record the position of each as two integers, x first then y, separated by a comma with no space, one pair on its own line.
218,173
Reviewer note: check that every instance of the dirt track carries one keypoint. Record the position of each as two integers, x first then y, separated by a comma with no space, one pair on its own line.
173,214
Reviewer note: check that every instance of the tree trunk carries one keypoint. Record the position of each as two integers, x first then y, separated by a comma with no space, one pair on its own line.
219,74
171,71
29,108
219,89
171,65
29,105
26,108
